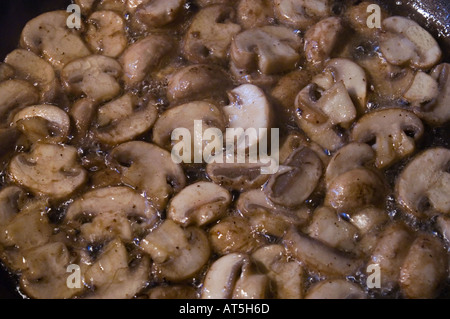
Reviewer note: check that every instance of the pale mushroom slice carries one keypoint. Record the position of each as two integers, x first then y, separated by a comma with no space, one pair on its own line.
423,186
269,49
158,13
49,169
296,179
105,33
199,204
301,14
249,108
234,276
144,56
82,113
114,276
6,72
46,123
178,253
124,119
10,199
32,68
150,170
49,35
424,88
392,133
16,94
424,268
255,13
286,276
209,36
111,212
198,82
406,42
335,289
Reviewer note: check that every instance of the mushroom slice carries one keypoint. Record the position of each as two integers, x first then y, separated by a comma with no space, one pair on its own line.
113,277
209,35
184,116
425,268
424,184
406,41
286,276
10,197
16,94
424,88
49,35
150,170
48,169
249,108
233,276
178,253
393,132
95,76
197,82
296,179
112,212
269,49
172,292
45,123
6,72
301,14
200,203
255,13
335,289
36,70
45,276
82,113
144,56
318,256
321,39
158,13
106,33
121,120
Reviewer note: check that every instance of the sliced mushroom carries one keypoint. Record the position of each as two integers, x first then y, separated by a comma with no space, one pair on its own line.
335,289
95,76
158,13
424,269
122,120
178,253
49,35
200,204
31,67
269,218
112,212
46,123
286,276
172,292
393,132
233,234
269,49
6,72
10,197
424,88
233,276
86,5
301,14
106,33
406,42
144,56
197,82
255,13
424,184
82,113
318,256
111,277
209,35
296,179
358,15
321,39
249,108
150,170
16,94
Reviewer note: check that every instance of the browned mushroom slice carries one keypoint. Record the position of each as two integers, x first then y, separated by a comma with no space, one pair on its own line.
144,56
49,35
95,76
150,170
172,292
301,14
178,253
393,133
269,49
49,169
254,13
296,179
158,13
6,72
423,186
10,199
209,35
14,94
335,289
82,113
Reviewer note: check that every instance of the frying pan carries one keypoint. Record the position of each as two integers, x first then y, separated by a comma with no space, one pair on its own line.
434,15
